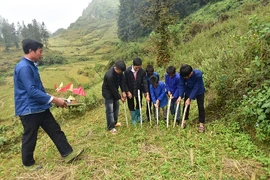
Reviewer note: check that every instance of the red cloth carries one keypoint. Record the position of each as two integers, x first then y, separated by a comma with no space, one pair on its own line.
64,89
79,91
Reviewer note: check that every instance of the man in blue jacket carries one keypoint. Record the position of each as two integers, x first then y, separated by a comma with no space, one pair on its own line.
32,105
191,88
172,84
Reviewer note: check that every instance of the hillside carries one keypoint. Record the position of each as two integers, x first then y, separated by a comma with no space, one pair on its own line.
92,35
218,39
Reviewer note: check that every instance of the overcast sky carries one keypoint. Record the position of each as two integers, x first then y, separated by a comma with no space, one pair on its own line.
54,13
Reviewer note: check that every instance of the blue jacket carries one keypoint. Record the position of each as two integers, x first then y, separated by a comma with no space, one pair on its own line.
159,93
192,86
148,78
172,84
29,94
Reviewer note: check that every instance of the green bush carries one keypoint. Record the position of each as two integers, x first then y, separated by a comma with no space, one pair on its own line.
256,110
255,79
51,59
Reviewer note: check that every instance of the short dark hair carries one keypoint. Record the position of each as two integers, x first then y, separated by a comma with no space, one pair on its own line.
120,64
171,70
185,70
153,79
28,44
149,68
137,62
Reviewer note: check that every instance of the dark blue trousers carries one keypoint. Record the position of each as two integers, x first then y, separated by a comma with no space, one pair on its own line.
200,103
31,124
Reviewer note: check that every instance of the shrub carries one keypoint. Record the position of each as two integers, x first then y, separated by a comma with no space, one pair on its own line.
256,109
50,59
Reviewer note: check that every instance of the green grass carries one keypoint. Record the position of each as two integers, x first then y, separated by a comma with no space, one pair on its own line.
224,151
149,152
98,40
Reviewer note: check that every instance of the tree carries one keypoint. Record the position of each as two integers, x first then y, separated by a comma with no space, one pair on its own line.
31,31
25,32
14,35
129,26
11,35
19,30
7,34
44,34
158,15
35,30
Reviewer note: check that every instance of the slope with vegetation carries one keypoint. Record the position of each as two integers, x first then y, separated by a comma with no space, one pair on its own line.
93,34
228,40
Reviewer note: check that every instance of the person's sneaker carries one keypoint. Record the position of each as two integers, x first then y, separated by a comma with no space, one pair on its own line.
118,124
73,155
113,131
34,167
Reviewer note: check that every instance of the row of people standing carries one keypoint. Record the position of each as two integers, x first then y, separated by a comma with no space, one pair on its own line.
187,85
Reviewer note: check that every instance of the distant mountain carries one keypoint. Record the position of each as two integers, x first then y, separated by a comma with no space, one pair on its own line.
97,11
95,31
101,9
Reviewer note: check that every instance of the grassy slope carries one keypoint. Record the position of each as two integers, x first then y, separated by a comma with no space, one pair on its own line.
135,153
98,42
150,152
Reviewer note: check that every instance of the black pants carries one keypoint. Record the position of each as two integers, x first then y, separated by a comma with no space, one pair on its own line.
131,104
31,124
200,103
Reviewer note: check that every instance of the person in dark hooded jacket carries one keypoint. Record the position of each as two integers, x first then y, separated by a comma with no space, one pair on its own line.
113,79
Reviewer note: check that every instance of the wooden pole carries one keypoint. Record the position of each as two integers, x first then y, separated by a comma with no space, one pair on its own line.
176,113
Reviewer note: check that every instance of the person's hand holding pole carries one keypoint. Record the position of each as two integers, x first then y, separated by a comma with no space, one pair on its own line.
187,103
178,99
169,94
147,97
129,95
123,97
156,104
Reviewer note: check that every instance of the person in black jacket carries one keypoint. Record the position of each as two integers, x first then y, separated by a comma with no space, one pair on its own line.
135,78
112,80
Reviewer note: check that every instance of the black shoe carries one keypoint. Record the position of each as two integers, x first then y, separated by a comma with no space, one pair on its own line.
73,155
34,167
